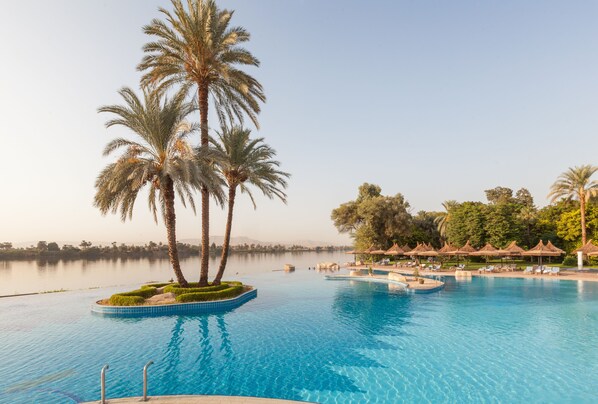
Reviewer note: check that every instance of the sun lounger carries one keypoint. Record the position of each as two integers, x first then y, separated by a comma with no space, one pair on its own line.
528,270
539,270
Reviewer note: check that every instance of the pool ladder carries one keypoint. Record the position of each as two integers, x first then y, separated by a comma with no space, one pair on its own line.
103,382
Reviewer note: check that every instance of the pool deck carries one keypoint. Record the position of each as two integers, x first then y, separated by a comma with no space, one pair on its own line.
199,400
564,274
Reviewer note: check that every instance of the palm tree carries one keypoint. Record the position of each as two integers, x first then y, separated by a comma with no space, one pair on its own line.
162,159
443,219
196,47
247,162
575,183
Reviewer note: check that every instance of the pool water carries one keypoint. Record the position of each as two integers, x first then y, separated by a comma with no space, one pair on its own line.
307,338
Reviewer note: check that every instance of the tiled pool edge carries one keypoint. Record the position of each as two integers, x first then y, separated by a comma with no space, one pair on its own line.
177,308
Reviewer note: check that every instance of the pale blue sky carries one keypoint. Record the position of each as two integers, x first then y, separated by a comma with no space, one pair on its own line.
436,100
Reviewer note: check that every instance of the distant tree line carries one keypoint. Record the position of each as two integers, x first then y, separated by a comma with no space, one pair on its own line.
86,250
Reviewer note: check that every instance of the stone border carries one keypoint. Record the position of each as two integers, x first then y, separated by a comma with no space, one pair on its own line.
177,308
383,280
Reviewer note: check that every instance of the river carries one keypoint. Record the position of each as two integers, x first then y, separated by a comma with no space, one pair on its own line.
18,277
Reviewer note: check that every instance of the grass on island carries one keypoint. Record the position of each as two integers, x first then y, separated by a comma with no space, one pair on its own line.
194,293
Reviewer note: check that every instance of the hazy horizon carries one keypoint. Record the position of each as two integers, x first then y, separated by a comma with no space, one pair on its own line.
436,101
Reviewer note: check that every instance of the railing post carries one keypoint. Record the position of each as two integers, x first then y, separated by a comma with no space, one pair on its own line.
145,379
103,384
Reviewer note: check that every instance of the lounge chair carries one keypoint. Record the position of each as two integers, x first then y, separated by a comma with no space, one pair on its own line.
528,270
556,271
539,270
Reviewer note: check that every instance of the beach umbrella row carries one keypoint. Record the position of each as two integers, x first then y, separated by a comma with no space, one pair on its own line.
426,250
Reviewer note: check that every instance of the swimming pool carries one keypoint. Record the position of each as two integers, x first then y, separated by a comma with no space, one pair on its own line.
305,338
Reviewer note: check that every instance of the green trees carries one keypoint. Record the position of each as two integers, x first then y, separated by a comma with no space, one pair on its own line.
373,218
161,159
196,47
576,184
443,218
246,162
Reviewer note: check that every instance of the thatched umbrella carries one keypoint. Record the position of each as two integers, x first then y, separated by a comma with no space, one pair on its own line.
465,250
588,248
513,249
541,250
447,249
394,250
406,248
554,248
354,252
415,252
487,251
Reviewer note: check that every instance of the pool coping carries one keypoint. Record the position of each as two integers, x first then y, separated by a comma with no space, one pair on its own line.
175,308
203,399
384,280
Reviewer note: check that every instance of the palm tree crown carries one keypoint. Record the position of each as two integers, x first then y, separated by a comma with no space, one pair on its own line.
576,183
443,219
245,162
249,161
197,46
162,159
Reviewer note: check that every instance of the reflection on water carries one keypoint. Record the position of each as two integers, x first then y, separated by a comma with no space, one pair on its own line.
44,275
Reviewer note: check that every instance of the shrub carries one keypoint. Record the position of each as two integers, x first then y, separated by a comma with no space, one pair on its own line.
132,298
181,291
230,291
143,292
570,261
156,285
120,300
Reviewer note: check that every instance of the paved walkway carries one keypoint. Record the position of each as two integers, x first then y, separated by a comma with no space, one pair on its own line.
199,400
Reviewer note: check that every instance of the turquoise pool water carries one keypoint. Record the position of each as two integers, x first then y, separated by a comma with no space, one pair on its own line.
305,338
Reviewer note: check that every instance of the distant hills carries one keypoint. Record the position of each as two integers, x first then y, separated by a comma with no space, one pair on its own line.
195,241
246,240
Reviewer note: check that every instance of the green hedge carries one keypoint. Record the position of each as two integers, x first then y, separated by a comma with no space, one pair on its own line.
120,300
132,298
156,285
231,291
181,291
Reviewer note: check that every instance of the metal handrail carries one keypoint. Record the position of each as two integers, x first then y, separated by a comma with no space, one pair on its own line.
145,379
103,384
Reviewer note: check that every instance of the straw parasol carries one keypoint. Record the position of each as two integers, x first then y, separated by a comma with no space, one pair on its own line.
378,252
406,248
541,250
465,250
513,249
429,251
588,249
394,250
555,248
418,249
487,251
447,249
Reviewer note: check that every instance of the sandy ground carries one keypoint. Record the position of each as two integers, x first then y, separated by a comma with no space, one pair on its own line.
565,275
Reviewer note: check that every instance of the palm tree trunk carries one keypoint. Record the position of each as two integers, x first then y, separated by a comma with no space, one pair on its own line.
205,196
170,221
226,243
582,204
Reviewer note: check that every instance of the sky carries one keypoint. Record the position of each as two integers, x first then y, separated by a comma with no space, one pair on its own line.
435,100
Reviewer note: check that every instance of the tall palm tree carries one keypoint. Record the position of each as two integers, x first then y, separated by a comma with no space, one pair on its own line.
195,46
161,158
247,162
576,183
443,219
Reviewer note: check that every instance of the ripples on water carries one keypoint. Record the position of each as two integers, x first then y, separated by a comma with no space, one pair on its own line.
305,338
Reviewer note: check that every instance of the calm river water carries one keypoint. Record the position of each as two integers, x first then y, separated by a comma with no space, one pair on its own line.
40,276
